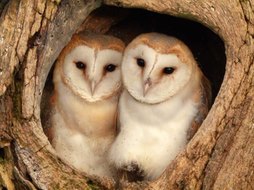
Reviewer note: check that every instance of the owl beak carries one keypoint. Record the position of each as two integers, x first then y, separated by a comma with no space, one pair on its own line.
146,86
92,86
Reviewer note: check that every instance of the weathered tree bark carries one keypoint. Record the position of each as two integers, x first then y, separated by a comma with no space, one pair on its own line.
32,34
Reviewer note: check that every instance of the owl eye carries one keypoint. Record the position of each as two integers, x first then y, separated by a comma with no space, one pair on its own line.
168,70
140,62
80,65
110,67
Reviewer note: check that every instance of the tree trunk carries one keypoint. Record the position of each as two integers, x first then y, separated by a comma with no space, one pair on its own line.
32,34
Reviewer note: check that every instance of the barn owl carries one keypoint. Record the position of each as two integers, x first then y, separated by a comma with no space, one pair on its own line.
87,83
165,99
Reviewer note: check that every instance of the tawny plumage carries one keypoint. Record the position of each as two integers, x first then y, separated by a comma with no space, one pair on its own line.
165,99
87,84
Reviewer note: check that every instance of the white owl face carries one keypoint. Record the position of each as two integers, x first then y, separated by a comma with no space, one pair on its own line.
91,69
153,77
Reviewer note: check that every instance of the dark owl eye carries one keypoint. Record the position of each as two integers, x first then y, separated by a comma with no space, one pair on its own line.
110,67
140,62
168,70
80,65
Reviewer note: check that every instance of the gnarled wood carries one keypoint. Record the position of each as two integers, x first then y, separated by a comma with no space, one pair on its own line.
32,34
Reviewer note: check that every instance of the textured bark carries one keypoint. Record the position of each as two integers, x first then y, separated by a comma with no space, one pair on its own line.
32,34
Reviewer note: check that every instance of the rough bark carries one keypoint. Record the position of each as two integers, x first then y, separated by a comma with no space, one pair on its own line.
32,34
220,156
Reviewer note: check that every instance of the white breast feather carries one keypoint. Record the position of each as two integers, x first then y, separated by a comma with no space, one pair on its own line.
151,136
74,140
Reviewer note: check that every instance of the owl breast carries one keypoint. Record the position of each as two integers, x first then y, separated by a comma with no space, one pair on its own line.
87,83
148,130
91,119
159,106
84,131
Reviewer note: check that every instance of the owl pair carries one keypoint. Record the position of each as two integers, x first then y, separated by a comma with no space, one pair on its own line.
164,99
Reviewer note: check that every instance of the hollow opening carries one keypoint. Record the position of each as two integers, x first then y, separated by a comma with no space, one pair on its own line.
125,23
207,48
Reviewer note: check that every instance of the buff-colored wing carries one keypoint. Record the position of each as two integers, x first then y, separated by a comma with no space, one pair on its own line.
206,100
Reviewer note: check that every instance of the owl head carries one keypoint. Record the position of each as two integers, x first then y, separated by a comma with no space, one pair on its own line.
156,67
90,66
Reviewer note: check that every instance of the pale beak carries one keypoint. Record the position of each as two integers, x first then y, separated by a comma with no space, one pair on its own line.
92,86
146,86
